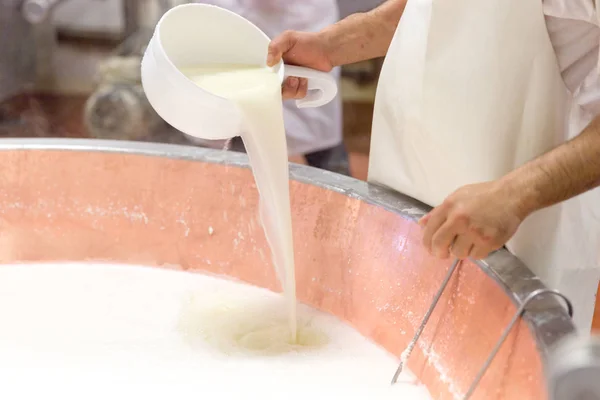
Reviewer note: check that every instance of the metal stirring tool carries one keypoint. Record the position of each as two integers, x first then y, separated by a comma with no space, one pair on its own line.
406,354
519,313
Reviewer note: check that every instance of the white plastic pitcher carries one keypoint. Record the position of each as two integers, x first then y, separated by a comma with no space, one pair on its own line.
192,35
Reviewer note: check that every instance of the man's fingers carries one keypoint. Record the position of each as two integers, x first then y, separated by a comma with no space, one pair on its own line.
436,218
423,221
279,46
294,88
290,88
462,246
302,88
443,239
479,252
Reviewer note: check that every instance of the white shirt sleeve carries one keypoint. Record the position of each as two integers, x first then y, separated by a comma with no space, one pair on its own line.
574,29
575,34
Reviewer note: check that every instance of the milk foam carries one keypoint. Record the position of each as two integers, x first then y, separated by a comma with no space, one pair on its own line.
123,332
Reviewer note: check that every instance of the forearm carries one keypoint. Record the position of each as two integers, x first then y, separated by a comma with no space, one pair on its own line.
565,172
363,36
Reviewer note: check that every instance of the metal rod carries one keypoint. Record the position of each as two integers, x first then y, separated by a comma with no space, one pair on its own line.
507,331
406,353
131,12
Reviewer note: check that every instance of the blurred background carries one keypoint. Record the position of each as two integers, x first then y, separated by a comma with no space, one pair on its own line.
70,68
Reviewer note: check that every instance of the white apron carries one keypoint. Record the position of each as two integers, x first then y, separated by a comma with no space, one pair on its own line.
307,129
469,91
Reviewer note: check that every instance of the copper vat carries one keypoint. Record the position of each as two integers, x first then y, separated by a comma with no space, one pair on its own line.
358,251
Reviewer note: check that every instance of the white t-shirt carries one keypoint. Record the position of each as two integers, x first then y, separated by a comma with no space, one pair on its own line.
574,29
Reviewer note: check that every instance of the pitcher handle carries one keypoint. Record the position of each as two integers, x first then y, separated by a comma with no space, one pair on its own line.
322,86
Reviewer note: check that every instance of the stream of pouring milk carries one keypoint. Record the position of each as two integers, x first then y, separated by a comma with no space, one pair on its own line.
87,331
257,93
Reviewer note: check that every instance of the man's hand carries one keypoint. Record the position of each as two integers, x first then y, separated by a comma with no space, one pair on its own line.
478,219
472,222
299,48
359,37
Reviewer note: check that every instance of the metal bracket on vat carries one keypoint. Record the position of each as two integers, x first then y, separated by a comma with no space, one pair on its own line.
406,354
506,332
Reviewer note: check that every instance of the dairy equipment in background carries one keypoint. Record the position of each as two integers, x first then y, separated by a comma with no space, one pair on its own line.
118,108
37,11
26,38
35,64
95,19
27,44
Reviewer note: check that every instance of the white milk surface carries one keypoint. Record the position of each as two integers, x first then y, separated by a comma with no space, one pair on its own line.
81,331
257,93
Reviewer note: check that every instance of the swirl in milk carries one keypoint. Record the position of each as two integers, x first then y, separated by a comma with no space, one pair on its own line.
85,331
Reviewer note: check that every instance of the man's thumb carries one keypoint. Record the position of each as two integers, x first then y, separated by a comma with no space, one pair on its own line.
279,46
